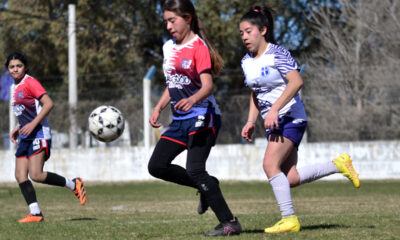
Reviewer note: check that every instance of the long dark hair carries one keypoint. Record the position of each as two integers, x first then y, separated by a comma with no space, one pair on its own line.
17,56
184,9
262,17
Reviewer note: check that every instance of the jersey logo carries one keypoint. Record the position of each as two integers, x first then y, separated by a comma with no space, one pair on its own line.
185,64
20,94
18,109
177,81
264,71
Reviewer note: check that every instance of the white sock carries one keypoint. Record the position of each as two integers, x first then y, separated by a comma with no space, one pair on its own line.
70,184
316,171
281,187
34,208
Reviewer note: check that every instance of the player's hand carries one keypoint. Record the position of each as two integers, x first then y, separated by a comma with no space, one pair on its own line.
185,104
14,135
271,120
27,129
247,131
154,118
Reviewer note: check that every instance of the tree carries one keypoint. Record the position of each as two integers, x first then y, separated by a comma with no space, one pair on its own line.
352,87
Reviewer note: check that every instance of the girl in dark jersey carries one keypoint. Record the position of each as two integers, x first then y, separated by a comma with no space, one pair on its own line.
31,105
189,60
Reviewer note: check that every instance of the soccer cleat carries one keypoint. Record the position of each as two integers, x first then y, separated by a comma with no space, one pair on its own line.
32,218
203,205
79,190
345,167
288,224
226,229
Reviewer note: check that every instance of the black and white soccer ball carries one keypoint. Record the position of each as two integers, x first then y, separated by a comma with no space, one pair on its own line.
106,123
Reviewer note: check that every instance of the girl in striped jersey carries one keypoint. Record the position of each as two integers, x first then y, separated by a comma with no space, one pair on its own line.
273,76
31,105
189,61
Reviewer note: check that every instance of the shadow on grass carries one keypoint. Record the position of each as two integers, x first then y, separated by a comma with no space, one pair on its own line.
253,231
83,219
323,226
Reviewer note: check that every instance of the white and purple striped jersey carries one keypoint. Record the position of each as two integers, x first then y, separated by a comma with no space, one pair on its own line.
182,68
26,106
265,75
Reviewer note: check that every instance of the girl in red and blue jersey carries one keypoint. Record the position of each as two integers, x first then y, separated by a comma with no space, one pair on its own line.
189,60
272,75
31,105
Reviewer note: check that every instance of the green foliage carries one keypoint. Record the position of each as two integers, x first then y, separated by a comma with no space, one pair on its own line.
117,41
114,42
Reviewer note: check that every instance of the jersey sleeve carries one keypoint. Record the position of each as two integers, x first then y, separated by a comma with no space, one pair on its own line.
284,62
202,59
36,88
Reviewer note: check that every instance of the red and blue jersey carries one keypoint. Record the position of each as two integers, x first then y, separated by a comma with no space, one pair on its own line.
182,68
26,106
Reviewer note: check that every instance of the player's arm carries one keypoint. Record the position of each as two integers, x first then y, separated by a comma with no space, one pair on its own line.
14,134
47,105
205,91
162,103
248,129
164,100
295,83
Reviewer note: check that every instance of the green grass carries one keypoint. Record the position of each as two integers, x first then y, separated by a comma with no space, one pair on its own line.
158,210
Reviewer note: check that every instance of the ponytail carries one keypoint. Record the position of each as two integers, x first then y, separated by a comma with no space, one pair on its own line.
216,59
262,17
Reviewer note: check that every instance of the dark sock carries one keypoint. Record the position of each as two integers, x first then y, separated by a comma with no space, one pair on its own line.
28,192
54,179
216,200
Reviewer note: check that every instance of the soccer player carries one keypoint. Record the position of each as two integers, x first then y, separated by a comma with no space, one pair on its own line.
273,76
31,105
189,61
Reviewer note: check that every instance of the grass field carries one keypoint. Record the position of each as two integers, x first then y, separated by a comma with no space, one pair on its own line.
158,210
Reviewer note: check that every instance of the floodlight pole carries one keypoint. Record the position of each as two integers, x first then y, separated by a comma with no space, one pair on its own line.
72,78
146,106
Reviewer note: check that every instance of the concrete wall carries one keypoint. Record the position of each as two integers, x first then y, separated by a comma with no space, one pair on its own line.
373,160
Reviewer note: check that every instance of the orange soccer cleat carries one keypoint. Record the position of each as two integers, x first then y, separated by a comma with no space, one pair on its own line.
32,218
79,190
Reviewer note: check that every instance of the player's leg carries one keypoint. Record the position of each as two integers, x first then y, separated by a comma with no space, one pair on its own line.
38,154
198,152
27,190
160,163
341,164
280,150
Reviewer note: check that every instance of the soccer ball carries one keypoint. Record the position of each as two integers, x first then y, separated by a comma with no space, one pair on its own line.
106,123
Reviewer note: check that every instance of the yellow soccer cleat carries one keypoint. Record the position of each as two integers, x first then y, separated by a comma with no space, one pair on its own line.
288,224
345,167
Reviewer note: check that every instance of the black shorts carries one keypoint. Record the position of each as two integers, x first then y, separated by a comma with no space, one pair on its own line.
182,131
29,147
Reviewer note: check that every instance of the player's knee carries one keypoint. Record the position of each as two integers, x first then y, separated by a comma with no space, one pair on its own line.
36,176
197,174
270,169
155,170
20,177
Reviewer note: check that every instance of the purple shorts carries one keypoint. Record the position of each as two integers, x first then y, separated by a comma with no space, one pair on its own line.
289,129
